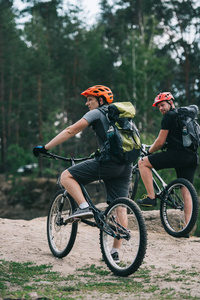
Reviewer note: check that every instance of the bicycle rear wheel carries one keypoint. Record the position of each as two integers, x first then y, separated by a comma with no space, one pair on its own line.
124,217
179,214
61,237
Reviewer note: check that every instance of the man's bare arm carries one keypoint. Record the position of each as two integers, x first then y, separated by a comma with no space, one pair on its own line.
67,133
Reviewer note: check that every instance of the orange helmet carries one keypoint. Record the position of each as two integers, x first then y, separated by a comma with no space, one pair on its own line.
165,96
99,90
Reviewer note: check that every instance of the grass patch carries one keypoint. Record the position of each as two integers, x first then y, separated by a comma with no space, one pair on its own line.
95,270
21,280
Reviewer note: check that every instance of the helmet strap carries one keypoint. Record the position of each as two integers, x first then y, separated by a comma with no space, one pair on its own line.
104,101
98,101
170,104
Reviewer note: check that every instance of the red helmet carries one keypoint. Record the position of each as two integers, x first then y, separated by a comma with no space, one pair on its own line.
99,90
165,96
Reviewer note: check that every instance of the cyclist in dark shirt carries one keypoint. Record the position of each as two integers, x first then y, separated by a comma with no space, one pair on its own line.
176,156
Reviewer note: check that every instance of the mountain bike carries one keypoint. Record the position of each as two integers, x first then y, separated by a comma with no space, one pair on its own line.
121,220
179,203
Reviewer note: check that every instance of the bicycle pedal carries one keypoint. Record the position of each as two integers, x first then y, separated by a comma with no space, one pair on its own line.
157,195
76,220
72,220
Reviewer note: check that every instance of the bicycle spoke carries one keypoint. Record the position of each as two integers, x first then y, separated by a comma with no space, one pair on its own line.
179,212
60,236
125,219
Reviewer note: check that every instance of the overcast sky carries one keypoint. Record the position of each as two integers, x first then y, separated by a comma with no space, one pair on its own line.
91,7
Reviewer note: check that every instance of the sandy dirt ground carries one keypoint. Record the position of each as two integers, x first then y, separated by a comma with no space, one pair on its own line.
23,241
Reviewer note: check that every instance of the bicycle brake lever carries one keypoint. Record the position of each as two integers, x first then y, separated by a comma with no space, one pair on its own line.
49,155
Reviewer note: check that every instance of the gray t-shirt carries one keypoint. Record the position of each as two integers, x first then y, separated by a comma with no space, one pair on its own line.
116,176
99,123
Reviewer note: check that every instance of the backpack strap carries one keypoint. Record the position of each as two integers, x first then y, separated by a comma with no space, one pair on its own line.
136,132
123,121
104,110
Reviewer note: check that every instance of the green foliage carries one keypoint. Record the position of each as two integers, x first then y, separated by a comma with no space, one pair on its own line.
17,157
45,65
23,280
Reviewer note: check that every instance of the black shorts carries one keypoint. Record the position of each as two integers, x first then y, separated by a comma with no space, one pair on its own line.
115,176
183,162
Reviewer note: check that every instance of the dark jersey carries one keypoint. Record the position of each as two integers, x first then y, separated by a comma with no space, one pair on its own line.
170,122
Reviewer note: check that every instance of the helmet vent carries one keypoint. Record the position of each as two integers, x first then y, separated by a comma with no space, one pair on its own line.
98,91
164,96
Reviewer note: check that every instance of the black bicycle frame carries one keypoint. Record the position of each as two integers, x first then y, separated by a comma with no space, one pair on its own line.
99,218
160,193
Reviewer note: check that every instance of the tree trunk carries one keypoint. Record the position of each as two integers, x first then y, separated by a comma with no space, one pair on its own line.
10,100
2,107
39,98
18,111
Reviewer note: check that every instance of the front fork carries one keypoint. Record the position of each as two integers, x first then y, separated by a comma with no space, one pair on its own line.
59,220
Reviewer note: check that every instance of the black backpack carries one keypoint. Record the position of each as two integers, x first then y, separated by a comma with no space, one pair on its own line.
187,118
123,139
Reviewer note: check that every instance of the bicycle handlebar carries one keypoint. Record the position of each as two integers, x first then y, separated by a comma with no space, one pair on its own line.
67,159
144,148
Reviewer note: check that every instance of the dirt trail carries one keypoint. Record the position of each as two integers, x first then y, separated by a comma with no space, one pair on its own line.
23,241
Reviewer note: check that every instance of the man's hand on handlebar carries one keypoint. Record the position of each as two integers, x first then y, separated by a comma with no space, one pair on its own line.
38,150
147,152
145,149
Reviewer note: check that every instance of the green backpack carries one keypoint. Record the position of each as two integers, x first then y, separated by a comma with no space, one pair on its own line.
123,139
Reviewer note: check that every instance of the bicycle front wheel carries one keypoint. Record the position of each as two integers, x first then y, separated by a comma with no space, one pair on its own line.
125,219
180,211
61,237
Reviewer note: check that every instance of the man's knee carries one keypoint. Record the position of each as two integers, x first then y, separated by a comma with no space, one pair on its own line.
65,176
141,163
144,163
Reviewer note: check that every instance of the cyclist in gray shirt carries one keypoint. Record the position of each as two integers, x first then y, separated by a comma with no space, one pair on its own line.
115,174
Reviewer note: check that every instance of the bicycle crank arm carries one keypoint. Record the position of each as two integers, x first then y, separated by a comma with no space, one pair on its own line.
121,229
117,236
108,229
110,232
93,224
124,233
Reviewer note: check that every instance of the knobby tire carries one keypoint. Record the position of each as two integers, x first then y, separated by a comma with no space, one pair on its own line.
174,218
133,249
61,237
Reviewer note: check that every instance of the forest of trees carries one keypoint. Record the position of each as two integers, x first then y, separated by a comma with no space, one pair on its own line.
136,47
